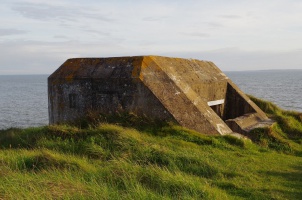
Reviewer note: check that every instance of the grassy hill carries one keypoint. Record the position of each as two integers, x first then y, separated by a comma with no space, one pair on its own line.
126,157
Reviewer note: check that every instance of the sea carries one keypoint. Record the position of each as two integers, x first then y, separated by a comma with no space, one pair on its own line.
24,101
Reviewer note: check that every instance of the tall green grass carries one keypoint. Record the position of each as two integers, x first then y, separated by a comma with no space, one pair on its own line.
286,134
128,157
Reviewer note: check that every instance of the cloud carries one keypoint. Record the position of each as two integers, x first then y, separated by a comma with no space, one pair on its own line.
154,19
235,59
7,32
38,57
102,33
196,34
43,11
60,37
215,24
230,16
28,57
263,32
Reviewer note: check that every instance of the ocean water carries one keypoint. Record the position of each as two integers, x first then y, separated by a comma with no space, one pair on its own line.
23,99
282,87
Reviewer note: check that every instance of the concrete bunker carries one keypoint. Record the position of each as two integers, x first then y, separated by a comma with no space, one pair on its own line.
194,93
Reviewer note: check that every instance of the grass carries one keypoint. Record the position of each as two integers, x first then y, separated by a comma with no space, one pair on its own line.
286,134
127,157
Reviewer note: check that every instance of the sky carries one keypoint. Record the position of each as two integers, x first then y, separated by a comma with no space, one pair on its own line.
37,36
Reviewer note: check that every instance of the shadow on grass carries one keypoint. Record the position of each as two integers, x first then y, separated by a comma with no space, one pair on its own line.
246,193
292,181
20,138
124,119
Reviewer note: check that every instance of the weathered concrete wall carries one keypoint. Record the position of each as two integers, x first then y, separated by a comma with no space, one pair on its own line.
61,94
194,93
107,87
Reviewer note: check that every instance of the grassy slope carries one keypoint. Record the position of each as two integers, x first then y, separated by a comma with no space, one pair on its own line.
148,160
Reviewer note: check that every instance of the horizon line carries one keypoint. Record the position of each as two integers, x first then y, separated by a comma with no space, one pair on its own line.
249,70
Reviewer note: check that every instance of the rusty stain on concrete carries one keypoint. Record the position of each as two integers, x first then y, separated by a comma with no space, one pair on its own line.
194,93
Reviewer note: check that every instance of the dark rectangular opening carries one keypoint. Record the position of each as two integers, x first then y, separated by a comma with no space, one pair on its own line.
72,100
217,109
217,106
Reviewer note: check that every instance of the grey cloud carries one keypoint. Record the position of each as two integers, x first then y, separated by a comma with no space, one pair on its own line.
65,25
60,37
154,19
41,11
102,33
196,34
231,16
98,16
7,32
215,25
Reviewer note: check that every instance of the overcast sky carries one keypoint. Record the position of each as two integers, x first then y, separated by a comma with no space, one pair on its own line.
37,36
